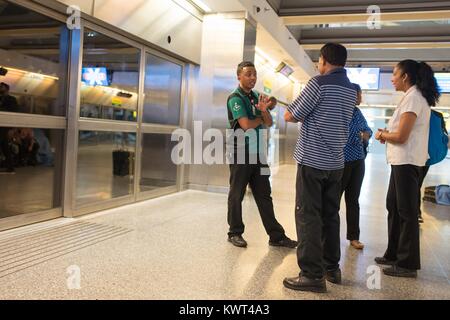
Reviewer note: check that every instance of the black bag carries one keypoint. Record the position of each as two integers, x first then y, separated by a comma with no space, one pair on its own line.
121,162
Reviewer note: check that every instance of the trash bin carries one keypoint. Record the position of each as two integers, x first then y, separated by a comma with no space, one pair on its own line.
122,162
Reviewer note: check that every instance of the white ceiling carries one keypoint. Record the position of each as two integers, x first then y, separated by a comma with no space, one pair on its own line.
224,5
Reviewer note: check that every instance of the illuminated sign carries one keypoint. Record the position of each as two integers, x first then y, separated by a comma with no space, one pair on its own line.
116,102
267,86
443,81
94,76
284,69
367,78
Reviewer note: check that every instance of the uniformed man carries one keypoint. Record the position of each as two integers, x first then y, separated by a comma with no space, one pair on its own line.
248,110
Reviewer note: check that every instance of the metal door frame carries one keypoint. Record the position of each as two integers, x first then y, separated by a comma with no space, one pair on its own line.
14,119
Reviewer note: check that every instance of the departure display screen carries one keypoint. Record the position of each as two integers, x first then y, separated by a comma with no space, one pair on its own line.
367,78
443,81
94,76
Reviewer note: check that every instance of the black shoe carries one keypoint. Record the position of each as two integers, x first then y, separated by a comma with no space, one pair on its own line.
303,283
285,242
334,276
396,271
238,241
420,219
383,260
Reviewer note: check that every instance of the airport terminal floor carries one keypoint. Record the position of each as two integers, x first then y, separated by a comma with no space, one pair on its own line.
175,247
115,122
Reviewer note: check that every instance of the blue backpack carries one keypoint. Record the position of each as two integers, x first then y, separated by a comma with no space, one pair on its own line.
438,139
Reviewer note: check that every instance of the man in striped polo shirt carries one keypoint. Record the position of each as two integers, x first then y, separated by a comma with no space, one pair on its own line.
325,109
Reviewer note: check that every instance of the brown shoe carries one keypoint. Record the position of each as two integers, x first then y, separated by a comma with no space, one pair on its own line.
356,244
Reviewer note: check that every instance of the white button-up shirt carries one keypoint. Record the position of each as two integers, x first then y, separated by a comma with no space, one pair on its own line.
415,150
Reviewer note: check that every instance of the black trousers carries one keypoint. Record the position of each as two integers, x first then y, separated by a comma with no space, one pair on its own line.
240,176
423,173
351,184
317,220
5,148
403,209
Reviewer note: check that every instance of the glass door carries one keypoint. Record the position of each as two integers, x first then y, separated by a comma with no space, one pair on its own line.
33,95
161,115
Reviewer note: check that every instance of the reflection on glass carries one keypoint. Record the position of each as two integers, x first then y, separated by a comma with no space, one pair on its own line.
157,168
110,78
30,170
377,118
105,165
33,61
162,91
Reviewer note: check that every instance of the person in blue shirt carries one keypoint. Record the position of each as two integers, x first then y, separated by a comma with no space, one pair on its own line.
325,109
355,153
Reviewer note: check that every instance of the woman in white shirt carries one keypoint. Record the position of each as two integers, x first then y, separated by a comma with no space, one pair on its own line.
407,151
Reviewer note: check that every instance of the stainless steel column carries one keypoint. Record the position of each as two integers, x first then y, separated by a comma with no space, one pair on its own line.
227,40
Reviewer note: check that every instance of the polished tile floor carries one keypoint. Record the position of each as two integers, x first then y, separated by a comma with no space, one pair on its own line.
175,247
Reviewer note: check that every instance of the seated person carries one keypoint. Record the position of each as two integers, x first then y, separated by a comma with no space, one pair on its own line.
8,150
45,155
29,147
7,102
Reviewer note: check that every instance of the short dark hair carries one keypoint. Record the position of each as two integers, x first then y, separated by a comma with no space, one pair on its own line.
2,84
244,64
334,53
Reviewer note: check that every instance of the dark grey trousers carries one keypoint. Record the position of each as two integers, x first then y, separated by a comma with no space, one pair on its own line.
317,220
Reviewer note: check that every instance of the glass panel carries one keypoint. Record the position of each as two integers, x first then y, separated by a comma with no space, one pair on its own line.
30,170
377,118
105,165
110,78
34,52
162,91
157,168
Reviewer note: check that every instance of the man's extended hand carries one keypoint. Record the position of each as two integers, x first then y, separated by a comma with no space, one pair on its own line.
264,103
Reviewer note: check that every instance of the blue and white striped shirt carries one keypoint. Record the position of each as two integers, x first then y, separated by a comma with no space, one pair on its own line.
354,150
325,107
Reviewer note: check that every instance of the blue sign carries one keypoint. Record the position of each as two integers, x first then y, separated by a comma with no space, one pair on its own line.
94,76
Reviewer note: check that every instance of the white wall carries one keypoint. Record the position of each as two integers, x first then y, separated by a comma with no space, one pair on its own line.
270,21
